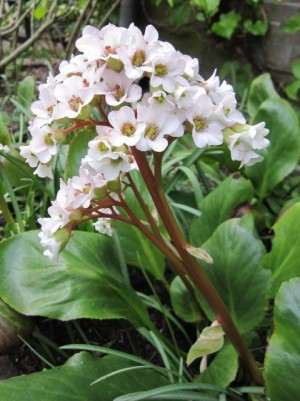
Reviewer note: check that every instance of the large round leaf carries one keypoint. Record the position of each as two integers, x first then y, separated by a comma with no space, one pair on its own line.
281,157
84,283
261,89
284,258
72,381
237,273
282,364
219,205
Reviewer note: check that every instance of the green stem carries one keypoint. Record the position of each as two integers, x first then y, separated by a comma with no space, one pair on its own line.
193,269
5,210
12,198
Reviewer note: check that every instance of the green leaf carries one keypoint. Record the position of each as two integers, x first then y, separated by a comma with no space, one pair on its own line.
72,381
40,12
210,340
5,137
281,157
292,25
180,15
223,369
140,252
12,325
292,90
182,303
226,25
238,274
210,7
77,150
84,283
218,206
26,91
257,28
282,363
296,68
261,89
284,258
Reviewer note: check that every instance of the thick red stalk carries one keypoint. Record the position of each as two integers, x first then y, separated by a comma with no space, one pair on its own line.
192,268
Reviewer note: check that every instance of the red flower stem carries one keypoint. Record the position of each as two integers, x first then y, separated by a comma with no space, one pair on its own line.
193,269
144,207
88,123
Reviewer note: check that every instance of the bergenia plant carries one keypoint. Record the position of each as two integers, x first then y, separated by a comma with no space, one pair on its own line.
103,88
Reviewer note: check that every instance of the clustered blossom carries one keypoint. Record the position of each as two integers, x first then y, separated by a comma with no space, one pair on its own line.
102,88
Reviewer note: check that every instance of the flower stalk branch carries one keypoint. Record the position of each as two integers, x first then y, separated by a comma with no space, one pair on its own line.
194,270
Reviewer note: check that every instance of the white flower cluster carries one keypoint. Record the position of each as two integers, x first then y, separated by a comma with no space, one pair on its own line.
108,77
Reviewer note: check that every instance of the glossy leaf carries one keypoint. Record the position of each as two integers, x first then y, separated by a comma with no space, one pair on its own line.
282,363
84,283
261,89
284,258
238,274
77,150
223,369
281,157
182,303
72,381
218,206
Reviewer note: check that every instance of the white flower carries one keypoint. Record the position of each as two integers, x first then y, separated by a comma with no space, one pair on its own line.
207,130
118,88
43,143
226,111
243,143
167,70
53,236
72,95
103,158
136,55
158,124
126,129
186,96
79,190
44,107
44,171
103,224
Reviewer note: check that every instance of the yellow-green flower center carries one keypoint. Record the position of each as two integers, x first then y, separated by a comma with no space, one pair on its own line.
48,139
128,130
138,58
161,69
151,132
102,147
199,123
